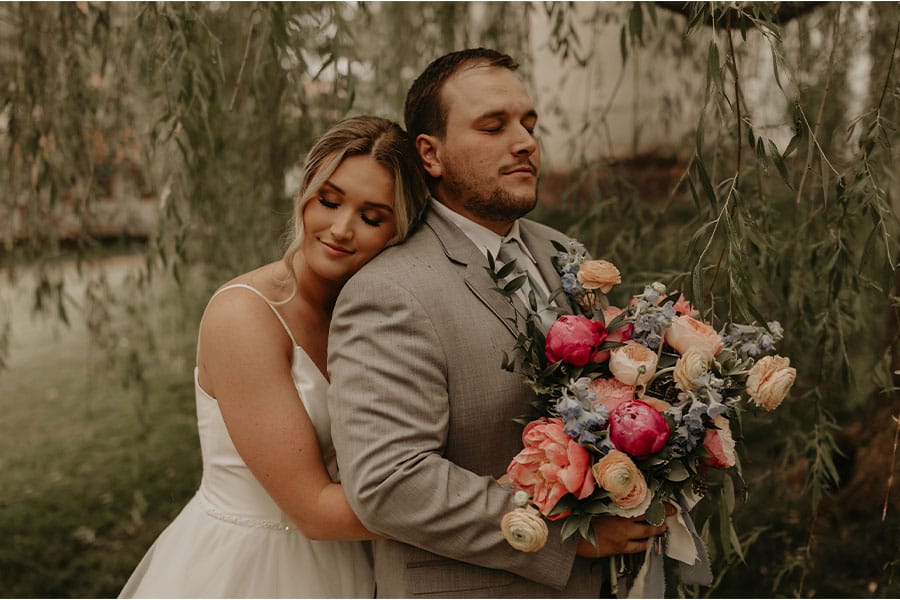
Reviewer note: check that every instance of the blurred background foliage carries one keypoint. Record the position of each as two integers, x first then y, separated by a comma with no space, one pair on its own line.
773,197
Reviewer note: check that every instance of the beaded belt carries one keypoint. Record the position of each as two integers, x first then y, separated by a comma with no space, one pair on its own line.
243,521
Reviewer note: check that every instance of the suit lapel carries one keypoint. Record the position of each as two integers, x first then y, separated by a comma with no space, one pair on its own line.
460,250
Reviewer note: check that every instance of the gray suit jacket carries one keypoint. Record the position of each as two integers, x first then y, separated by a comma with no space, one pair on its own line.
422,421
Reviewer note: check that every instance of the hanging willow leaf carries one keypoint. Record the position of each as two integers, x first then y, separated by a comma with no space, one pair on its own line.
779,163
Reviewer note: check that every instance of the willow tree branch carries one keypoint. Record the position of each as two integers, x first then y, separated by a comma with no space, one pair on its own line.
887,79
890,481
240,76
737,98
735,17
835,30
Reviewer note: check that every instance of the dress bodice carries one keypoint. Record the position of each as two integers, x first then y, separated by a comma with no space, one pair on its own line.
228,485
232,540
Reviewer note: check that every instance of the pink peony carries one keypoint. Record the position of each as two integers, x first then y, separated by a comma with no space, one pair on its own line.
687,333
638,429
720,444
551,465
574,340
622,334
611,392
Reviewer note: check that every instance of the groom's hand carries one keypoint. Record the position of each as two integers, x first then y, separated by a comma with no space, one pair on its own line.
618,535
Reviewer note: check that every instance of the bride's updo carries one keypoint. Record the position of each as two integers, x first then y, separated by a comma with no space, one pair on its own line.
383,140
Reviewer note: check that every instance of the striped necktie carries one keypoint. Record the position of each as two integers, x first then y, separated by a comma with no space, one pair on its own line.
511,251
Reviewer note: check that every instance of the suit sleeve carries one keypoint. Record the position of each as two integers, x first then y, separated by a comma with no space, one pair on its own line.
390,411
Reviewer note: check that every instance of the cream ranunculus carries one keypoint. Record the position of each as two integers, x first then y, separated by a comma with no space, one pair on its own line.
617,474
524,529
625,363
690,365
770,380
598,275
687,332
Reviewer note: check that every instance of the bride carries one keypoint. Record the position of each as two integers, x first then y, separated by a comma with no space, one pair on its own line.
270,518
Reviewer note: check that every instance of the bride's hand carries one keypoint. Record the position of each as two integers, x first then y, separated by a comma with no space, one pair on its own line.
504,478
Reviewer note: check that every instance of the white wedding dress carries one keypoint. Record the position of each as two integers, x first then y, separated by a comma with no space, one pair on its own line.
231,540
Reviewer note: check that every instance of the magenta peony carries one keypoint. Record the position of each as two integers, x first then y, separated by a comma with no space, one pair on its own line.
638,429
574,340
551,465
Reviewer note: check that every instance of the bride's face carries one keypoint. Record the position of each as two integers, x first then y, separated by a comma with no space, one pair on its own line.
350,219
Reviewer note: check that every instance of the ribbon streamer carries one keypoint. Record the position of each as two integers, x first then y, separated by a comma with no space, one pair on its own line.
683,545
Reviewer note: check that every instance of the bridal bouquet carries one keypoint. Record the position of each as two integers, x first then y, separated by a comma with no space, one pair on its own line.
636,406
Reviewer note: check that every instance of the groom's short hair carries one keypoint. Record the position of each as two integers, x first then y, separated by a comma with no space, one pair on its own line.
425,111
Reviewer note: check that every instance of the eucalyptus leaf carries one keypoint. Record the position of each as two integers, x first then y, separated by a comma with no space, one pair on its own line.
677,471
656,512
514,285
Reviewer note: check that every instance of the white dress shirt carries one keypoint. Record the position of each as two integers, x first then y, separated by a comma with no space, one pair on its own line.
488,241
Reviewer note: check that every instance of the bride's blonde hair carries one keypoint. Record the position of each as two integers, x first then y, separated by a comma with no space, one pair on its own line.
383,140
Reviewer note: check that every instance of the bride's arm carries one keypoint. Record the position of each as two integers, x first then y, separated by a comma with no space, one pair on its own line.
244,360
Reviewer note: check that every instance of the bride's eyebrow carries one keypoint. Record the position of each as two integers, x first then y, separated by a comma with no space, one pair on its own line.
366,204
386,207
328,183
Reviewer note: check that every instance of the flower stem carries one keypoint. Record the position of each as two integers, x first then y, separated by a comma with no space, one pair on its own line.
657,374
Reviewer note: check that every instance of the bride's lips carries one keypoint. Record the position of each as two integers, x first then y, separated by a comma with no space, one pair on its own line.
335,249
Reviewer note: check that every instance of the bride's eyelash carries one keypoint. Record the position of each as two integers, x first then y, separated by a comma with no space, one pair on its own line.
370,221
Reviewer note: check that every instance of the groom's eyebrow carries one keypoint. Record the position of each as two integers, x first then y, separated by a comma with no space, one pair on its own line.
502,114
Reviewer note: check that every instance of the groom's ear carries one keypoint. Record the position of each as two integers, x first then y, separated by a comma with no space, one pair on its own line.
428,147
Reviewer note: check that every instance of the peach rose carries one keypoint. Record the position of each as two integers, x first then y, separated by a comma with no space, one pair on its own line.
622,334
720,444
598,275
617,474
690,365
626,363
687,332
611,392
524,529
551,465
770,380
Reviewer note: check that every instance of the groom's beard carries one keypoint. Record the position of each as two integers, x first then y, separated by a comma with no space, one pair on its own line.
487,201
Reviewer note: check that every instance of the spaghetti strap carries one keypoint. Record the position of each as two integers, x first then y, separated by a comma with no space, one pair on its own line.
261,295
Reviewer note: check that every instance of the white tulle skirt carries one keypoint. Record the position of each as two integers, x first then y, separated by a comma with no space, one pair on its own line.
206,554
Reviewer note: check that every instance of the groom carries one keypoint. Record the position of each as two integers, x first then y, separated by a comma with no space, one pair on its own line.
422,413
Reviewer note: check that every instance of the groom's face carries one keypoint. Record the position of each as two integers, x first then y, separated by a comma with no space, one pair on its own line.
487,162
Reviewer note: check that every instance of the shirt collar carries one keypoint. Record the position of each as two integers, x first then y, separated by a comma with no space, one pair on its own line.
483,238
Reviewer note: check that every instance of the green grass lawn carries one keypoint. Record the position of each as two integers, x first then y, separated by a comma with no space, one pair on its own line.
90,470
